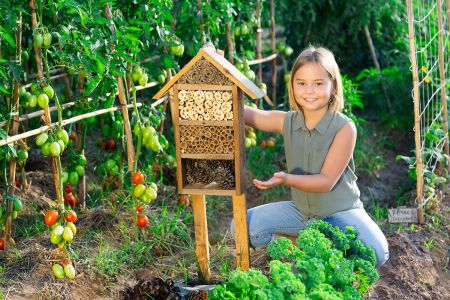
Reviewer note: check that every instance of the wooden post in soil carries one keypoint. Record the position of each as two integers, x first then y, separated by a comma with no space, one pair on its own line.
241,232
442,76
123,103
81,136
416,94
201,236
13,131
258,38
274,49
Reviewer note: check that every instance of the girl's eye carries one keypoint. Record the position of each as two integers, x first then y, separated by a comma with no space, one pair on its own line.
318,83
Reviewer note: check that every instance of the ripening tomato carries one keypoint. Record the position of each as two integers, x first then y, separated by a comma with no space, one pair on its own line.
58,271
69,271
2,244
68,187
139,190
47,39
142,221
71,216
139,208
37,40
51,216
138,178
184,201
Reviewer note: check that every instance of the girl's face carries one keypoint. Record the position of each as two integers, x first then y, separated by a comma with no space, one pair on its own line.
312,87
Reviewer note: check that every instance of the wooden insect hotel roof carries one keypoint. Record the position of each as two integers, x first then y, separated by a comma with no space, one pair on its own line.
231,74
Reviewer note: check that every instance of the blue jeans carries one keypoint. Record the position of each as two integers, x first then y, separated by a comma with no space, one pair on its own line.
284,218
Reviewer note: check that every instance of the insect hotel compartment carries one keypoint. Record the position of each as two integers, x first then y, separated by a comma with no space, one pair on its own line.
206,139
208,174
198,105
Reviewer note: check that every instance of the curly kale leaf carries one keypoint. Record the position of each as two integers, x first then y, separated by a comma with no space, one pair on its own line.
314,243
312,271
283,249
284,279
339,239
359,250
342,275
366,274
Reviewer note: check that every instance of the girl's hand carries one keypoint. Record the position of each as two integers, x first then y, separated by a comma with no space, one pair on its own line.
220,52
277,179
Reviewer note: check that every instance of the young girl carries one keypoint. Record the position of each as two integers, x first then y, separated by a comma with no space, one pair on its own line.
319,143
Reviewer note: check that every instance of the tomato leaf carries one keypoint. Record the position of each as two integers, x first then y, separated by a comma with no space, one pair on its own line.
7,37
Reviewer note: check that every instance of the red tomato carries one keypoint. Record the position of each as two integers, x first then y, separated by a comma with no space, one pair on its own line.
68,188
18,182
184,201
69,199
140,208
137,178
2,244
71,216
142,221
51,216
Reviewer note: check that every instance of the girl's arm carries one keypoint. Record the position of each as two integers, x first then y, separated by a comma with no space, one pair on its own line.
340,153
269,121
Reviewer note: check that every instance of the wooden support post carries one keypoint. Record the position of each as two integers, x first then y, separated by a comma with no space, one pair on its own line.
241,232
123,103
201,236
442,77
258,38
417,129
274,49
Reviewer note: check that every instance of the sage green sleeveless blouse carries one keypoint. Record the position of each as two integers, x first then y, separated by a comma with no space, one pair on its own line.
305,154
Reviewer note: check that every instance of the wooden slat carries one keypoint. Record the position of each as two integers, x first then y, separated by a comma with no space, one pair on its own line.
206,123
200,189
223,66
207,156
239,136
201,236
204,87
241,232
176,130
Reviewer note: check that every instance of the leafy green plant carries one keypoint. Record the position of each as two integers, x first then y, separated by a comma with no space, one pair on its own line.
326,263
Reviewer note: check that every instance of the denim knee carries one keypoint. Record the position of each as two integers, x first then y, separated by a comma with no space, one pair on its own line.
382,254
257,239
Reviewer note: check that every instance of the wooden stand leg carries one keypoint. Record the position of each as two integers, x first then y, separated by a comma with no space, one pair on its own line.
241,232
201,236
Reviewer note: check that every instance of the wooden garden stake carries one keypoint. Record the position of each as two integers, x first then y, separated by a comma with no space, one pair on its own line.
207,106
274,50
419,164
201,236
258,38
442,76
123,103
13,130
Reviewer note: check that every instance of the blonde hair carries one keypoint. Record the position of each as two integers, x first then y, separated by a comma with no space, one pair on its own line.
326,60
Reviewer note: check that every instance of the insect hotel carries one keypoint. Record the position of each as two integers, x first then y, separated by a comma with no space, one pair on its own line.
207,106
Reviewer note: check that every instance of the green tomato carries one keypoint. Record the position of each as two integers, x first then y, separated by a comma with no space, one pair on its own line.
58,230
80,170
55,149
137,129
35,88
45,149
237,30
37,40
61,144
139,190
17,205
73,178
14,214
25,55
145,199
250,74
110,163
42,100
55,239
69,271
288,51
82,161
22,155
244,29
58,271
135,76
114,171
65,177
161,78
47,39
143,79
151,193
67,234
63,136
22,92
248,142
177,50
32,100
48,90
148,132
154,186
